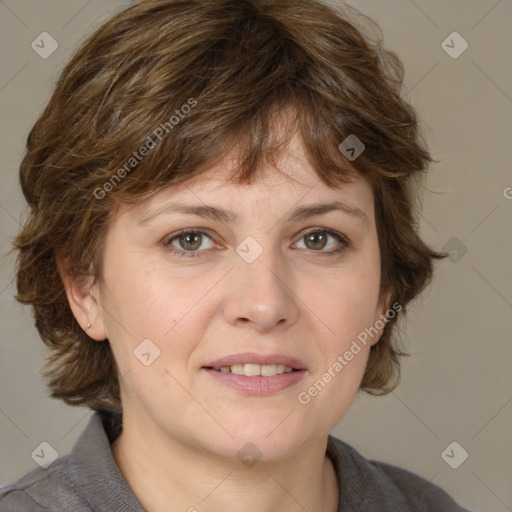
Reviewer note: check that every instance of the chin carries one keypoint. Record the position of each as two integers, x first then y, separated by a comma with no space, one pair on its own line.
258,440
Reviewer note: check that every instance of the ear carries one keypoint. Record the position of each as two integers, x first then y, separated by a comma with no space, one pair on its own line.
381,314
83,298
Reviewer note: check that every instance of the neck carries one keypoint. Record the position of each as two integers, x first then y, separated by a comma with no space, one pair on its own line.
164,472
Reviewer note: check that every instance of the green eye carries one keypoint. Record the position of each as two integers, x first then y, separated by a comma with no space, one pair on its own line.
318,239
188,243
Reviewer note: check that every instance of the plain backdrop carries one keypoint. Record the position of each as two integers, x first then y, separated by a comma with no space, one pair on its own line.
457,386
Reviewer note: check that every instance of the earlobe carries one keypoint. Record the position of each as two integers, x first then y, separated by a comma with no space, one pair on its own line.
385,303
381,316
84,302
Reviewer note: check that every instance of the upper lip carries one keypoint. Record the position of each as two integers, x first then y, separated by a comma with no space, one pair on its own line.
251,358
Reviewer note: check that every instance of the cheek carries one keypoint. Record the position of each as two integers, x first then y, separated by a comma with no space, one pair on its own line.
138,294
348,300
350,312
143,301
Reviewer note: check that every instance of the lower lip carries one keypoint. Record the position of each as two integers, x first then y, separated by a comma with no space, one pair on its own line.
257,386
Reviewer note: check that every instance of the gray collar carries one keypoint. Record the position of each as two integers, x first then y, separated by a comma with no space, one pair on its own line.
94,470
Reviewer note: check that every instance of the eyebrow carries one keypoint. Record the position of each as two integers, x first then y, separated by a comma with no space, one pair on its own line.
226,216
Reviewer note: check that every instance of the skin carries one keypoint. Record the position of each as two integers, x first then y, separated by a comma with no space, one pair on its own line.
182,428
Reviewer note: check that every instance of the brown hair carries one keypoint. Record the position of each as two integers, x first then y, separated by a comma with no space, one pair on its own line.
236,64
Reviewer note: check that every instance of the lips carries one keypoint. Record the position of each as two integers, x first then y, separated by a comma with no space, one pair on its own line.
255,370
257,374
251,360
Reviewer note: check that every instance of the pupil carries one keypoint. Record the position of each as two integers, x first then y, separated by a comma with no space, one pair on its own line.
189,239
315,237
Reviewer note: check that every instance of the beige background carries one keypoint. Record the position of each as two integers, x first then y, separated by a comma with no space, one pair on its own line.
458,384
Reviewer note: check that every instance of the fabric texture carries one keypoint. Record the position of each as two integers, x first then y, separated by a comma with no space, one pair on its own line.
88,479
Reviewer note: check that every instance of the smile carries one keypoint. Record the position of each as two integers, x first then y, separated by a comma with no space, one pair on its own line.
256,384
255,370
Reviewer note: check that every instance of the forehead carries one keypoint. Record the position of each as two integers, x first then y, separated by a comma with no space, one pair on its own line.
288,180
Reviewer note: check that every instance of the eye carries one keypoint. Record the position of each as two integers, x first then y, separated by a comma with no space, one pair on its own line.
319,239
188,242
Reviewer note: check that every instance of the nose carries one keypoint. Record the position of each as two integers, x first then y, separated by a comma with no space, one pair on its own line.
261,294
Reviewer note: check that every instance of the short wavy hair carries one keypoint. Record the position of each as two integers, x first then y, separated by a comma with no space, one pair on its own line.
237,64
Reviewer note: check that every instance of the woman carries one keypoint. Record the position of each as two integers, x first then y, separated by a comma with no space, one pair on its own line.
221,240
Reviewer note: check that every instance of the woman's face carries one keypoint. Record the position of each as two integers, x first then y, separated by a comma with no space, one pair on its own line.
275,276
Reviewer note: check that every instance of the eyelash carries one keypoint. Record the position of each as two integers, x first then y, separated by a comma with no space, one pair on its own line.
344,241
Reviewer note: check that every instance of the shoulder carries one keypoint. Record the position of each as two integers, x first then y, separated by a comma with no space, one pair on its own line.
42,490
418,491
15,500
87,479
376,485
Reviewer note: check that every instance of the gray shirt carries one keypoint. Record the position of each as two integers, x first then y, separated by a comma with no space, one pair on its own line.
88,479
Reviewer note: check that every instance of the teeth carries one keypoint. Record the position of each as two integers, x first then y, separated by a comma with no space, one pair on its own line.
237,368
254,370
